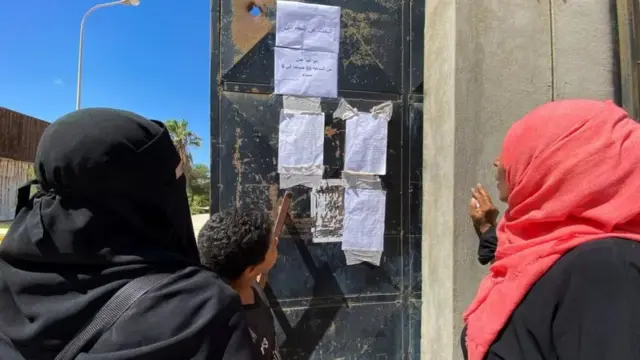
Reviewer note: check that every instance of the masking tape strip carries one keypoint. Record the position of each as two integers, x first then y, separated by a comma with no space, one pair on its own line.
298,103
361,181
344,111
384,110
354,257
290,180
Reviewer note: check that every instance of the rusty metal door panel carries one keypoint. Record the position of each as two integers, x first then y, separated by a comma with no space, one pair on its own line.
371,43
324,308
249,143
416,44
364,331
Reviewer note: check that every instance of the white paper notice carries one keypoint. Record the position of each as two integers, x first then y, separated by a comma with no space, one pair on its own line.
364,211
301,143
366,144
327,211
308,26
306,73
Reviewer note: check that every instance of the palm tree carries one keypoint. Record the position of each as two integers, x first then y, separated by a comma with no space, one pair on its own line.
183,139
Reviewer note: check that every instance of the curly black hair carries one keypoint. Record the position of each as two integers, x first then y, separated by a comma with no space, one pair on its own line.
232,240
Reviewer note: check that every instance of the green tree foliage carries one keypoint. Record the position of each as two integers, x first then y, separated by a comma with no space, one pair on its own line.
184,139
199,187
198,183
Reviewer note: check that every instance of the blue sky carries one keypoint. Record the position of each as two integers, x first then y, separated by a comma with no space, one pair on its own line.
152,59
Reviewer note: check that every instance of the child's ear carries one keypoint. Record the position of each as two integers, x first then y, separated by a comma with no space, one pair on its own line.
251,272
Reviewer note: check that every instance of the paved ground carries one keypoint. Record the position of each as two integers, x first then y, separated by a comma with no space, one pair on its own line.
4,226
198,222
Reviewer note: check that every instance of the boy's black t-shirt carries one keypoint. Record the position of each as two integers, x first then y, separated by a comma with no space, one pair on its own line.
262,327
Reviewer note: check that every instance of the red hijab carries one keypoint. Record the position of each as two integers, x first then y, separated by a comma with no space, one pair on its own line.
573,168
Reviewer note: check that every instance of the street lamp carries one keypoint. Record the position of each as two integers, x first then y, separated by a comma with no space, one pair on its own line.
79,84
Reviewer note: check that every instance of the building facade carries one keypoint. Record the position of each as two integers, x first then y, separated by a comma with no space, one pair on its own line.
19,137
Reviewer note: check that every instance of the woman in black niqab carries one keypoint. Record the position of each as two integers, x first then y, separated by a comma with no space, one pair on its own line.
111,206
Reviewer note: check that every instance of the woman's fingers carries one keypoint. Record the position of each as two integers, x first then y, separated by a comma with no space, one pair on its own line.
481,190
472,206
484,195
479,197
475,192
474,210
481,208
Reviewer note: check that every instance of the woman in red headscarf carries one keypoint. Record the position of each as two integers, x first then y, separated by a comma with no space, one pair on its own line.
565,281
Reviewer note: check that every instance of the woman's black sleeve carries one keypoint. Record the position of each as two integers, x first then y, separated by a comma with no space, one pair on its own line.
487,245
463,343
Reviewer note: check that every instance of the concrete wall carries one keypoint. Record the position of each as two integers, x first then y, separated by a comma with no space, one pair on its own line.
487,63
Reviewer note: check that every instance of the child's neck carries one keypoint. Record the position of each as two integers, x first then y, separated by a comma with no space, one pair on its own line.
244,289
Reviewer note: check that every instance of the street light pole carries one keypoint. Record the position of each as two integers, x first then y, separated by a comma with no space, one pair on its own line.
79,76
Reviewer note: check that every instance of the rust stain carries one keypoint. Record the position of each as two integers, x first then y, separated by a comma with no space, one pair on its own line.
273,198
237,164
329,131
336,143
359,33
246,29
389,4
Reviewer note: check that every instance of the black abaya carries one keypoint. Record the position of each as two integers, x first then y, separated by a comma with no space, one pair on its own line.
111,208
584,308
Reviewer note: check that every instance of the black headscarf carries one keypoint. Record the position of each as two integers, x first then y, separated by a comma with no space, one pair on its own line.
109,194
110,207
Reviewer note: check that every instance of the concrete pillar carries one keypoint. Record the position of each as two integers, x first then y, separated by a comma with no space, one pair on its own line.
487,63
585,42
